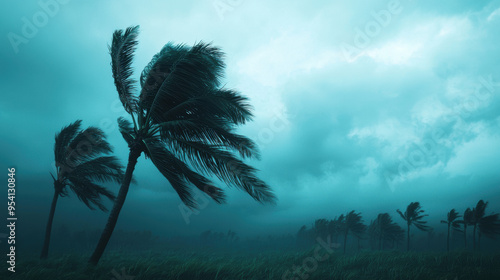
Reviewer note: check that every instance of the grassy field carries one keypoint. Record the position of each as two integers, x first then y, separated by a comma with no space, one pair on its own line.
269,265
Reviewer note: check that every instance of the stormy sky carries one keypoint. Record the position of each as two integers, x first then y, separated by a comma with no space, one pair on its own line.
364,105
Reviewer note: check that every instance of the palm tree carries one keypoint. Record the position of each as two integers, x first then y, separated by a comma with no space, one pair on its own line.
182,119
80,166
453,223
467,220
335,227
384,229
488,225
478,213
353,223
413,216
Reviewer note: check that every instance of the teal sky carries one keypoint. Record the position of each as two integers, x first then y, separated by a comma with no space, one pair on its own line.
365,105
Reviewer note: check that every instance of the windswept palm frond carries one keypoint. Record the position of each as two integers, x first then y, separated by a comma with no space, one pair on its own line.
414,215
62,140
82,164
489,226
180,175
452,220
122,51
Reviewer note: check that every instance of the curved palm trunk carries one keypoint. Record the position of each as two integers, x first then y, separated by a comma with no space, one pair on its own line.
448,239
48,229
115,212
408,239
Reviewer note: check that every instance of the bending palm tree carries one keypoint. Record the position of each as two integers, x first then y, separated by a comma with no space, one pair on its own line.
413,216
488,225
383,228
453,223
79,165
182,115
353,223
478,213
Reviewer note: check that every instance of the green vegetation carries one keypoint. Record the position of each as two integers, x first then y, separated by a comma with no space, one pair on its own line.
268,265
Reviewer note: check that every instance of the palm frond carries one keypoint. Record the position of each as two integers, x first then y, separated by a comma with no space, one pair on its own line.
127,130
180,175
63,138
89,193
225,166
208,132
87,144
102,169
122,53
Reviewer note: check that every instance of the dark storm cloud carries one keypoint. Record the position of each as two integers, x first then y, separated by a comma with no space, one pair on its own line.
337,132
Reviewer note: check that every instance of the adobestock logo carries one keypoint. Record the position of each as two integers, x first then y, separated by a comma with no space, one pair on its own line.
363,36
31,25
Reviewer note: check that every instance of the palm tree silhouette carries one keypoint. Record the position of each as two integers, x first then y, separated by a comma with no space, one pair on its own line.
488,225
467,220
413,216
453,223
182,115
384,229
478,213
81,166
353,223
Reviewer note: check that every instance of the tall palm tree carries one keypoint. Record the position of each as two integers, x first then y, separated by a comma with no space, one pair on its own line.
467,220
487,225
353,223
478,213
335,227
182,119
453,223
81,165
413,216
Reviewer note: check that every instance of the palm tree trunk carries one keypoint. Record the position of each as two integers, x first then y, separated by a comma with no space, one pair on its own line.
448,239
48,229
115,212
408,239
465,236
479,241
474,238
345,239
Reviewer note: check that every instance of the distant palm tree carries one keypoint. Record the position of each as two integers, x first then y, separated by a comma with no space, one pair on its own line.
453,223
81,166
467,220
353,223
335,227
321,228
488,225
413,216
478,213
182,119
384,229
